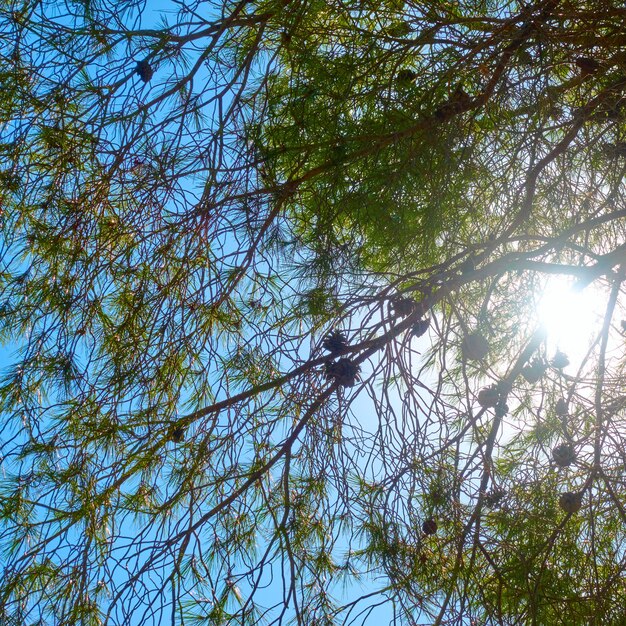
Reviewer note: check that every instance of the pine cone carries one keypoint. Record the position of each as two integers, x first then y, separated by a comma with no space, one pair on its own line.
533,372
459,102
402,306
493,498
501,409
177,434
420,327
560,408
406,76
489,397
429,526
560,360
587,65
335,342
144,71
571,502
343,371
563,454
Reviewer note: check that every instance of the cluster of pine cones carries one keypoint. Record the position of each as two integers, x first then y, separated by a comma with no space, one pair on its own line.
343,371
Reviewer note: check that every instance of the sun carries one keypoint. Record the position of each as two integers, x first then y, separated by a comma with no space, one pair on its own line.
571,316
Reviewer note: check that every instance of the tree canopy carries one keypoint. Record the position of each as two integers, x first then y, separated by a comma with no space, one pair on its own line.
273,286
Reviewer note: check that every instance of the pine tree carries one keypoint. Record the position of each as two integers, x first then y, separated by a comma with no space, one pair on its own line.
270,277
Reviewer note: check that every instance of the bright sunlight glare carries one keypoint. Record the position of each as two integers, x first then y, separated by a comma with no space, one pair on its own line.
570,316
